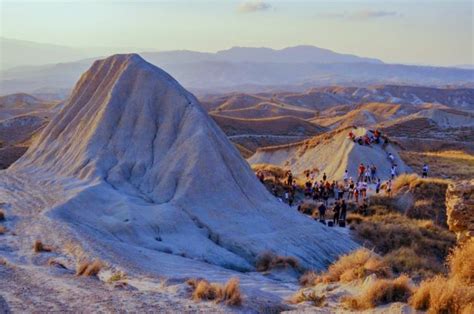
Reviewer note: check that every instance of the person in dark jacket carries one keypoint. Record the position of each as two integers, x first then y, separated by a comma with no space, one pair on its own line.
322,211
337,210
343,210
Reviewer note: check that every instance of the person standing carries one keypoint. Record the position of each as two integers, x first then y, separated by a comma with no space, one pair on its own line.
377,187
337,209
361,172
346,176
424,173
389,188
343,210
322,212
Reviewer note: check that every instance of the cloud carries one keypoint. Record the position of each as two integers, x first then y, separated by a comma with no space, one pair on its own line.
253,6
360,15
370,14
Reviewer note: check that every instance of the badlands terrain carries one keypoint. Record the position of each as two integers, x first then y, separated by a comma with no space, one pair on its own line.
131,194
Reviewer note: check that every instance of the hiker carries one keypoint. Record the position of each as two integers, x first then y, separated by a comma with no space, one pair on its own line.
388,188
307,191
290,200
287,196
289,178
361,172
322,212
391,158
351,136
325,196
274,190
424,172
351,190
346,176
377,187
356,195
312,175
373,172
294,186
393,171
324,177
337,210
363,189
343,211
367,174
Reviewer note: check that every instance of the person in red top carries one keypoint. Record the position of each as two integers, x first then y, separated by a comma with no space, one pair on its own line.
361,172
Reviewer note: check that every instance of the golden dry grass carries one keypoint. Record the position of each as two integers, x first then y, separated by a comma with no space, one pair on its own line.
269,169
308,296
412,246
445,164
381,291
86,268
268,260
39,247
356,265
453,293
228,294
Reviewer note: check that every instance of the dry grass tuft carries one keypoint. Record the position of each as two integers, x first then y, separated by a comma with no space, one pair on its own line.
54,263
228,294
38,247
308,296
452,294
356,265
2,215
117,276
269,260
309,278
381,291
443,295
89,268
461,262
3,230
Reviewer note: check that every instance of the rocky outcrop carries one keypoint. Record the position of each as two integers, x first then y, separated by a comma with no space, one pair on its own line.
460,209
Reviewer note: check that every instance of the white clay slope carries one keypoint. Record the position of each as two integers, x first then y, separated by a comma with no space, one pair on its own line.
136,163
333,155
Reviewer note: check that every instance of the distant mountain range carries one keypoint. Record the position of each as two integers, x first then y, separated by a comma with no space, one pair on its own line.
236,69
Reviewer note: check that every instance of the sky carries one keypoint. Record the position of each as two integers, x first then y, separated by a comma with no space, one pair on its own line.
435,32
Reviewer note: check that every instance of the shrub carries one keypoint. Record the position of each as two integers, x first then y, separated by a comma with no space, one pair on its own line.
452,294
461,262
407,260
308,296
381,291
356,265
309,278
38,247
228,294
117,276
443,295
269,260
2,215
89,268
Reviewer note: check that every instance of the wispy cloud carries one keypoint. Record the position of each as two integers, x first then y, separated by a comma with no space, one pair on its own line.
360,15
371,14
253,6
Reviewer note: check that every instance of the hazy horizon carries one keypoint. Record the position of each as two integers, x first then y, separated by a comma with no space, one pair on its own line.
423,32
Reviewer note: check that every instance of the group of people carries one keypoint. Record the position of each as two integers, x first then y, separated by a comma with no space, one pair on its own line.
371,136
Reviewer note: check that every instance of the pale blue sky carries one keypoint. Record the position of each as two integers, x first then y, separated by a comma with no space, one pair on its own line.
405,31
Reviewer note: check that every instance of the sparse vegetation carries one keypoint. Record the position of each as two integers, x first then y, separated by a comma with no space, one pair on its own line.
269,260
453,293
39,247
308,296
86,268
356,265
117,276
415,247
228,294
445,164
381,291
